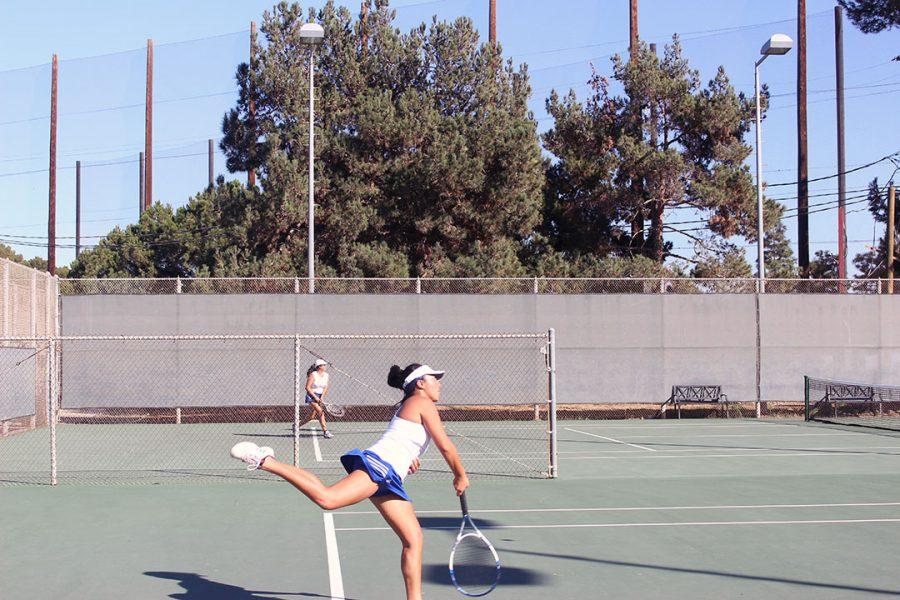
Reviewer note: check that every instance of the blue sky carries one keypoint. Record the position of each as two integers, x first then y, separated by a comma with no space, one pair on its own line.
198,44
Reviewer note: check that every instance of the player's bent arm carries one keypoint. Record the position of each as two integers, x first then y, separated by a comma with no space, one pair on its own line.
309,384
431,419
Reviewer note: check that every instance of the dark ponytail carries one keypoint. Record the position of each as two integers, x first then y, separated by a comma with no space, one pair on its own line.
396,377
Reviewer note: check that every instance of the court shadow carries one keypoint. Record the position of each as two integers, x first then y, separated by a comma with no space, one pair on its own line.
451,522
197,587
440,575
821,585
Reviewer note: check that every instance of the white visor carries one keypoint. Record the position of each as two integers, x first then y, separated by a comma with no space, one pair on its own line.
421,372
320,362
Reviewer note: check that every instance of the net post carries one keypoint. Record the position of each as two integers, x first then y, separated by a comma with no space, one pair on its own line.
296,400
551,408
806,397
52,408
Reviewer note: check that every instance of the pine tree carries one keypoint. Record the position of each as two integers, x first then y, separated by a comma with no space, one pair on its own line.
684,148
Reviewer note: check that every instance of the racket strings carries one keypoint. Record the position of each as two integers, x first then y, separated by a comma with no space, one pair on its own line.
475,568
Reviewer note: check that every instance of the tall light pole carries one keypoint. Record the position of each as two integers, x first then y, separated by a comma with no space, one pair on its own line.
776,45
311,35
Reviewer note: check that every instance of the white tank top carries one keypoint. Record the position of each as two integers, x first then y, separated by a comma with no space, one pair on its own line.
320,382
401,443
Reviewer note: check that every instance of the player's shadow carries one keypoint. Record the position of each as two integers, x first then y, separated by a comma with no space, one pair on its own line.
440,574
452,522
197,587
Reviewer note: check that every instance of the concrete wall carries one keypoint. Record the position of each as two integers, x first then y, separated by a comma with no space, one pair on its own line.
611,348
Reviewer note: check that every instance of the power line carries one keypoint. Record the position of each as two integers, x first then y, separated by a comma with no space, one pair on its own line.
121,107
859,168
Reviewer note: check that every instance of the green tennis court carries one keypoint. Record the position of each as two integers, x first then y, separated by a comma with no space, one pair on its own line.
663,509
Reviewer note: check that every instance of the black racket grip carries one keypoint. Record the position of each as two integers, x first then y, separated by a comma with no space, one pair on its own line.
463,504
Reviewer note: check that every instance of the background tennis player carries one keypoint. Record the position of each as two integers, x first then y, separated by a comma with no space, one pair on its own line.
378,472
316,387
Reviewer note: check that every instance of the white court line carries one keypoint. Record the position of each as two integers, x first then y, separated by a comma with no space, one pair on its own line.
335,580
589,452
674,524
733,435
692,426
739,455
602,437
315,439
643,508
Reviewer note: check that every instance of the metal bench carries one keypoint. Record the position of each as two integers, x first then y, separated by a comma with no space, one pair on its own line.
694,394
850,392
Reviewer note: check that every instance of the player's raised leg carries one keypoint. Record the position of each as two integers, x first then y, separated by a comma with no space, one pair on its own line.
351,489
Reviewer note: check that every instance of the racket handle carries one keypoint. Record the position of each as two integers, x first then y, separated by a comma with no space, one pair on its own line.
463,504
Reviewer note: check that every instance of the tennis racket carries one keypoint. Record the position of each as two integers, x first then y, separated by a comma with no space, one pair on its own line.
335,410
474,564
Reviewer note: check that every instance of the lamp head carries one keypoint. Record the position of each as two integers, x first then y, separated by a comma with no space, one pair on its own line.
777,45
312,34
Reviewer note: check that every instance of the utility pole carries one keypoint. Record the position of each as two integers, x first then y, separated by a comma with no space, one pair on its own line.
211,165
140,184
77,208
892,208
251,105
842,181
637,225
51,220
148,130
492,20
363,34
802,156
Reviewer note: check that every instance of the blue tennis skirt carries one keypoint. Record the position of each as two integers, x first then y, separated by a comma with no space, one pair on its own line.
378,470
313,398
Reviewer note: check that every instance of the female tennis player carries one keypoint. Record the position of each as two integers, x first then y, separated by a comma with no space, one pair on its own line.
316,388
377,473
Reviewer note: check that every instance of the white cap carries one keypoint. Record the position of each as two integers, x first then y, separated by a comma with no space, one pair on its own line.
421,372
320,362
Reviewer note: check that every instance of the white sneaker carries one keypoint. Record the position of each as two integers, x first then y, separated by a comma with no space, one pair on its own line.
251,454
327,435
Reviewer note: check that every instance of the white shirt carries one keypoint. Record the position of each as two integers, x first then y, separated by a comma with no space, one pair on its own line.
403,441
319,382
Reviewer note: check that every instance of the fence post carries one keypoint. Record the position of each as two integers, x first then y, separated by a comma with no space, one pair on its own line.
418,285
551,408
662,285
33,303
535,285
7,301
296,400
296,285
178,285
52,408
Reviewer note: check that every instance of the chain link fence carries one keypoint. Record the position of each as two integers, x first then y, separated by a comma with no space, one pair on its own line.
28,307
496,285
158,408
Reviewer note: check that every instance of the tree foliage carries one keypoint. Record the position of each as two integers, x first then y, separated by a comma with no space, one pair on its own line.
873,16
666,142
873,262
428,163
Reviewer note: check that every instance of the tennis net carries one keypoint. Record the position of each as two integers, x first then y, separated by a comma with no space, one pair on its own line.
137,409
855,404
